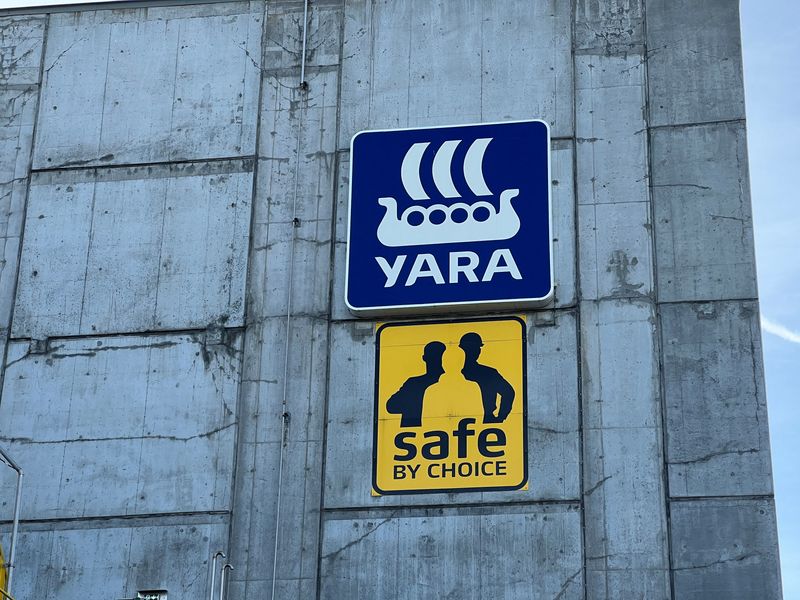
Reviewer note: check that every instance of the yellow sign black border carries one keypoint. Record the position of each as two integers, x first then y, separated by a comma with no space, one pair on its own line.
376,409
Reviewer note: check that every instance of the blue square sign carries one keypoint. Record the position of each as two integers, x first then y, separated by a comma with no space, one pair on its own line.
449,219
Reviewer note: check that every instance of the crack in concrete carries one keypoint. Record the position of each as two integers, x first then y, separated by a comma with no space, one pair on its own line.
243,47
719,562
712,455
9,65
307,240
11,120
535,427
566,585
740,219
15,361
61,55
690,185
95,351
88,161
335,553
596,486
173,438
15,180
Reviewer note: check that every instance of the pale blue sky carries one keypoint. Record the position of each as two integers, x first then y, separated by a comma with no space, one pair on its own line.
771,46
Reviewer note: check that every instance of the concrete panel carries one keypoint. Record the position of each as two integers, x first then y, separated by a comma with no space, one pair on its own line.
101,560
295,179
610,584
563,220
562,195
262,588
298,523
139,249
553,406
407,64
553,437
626,532
284,33
297,150
296,165
703,219
259,454
624,496
526,75
17,115
620,368
531,552
608,27
20,50
694,61
725,550
611,130
715,401
138,86
150,421
266,370
307,264
338,308
612,161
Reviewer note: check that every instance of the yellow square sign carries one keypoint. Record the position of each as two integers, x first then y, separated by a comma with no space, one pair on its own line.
450,407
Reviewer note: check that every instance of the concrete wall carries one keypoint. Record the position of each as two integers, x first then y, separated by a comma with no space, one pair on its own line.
180,373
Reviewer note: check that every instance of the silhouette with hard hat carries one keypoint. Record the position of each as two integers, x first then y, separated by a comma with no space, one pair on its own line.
489,380
407,401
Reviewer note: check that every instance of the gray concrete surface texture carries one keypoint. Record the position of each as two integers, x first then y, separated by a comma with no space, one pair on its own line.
170,194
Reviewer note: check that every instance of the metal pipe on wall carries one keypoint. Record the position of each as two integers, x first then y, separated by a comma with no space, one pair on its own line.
213,578
223,579
303,84
15,528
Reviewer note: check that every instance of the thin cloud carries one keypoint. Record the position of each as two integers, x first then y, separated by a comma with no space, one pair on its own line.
779,330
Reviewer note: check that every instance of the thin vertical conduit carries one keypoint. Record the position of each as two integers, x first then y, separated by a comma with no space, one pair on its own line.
223,580
12,563
213,574
303,87
303,84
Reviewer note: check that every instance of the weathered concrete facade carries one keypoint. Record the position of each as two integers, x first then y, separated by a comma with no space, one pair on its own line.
181,374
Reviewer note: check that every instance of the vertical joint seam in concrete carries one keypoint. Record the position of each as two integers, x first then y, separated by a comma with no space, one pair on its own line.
331,291
25,203
657,307
246,317
578,296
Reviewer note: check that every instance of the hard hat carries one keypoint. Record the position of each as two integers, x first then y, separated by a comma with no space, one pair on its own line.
470,340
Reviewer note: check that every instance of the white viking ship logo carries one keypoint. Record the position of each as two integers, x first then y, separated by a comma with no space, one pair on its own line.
453,223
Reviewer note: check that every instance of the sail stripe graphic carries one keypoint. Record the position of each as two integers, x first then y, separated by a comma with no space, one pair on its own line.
441,169
442,164
409,171
473,167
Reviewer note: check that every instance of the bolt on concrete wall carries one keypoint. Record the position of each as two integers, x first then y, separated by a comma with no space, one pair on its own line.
182,376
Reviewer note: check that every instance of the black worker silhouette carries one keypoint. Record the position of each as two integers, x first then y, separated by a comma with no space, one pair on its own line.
407,401
491,383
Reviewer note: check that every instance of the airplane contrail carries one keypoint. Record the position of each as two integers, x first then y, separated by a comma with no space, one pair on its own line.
780,331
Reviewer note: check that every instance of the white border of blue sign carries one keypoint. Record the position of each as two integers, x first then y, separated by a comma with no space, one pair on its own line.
445,307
